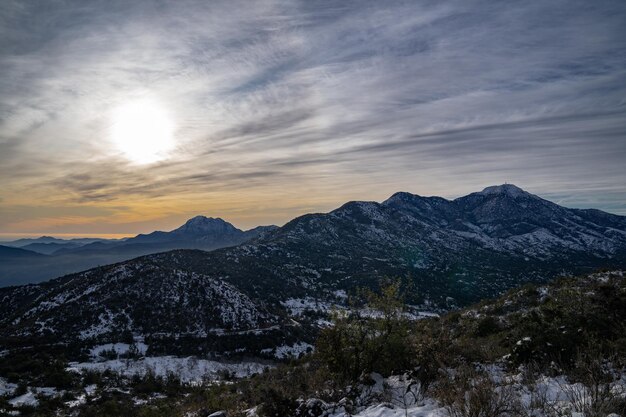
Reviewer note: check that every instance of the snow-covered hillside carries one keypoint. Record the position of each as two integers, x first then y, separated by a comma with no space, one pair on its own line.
137,297
449,253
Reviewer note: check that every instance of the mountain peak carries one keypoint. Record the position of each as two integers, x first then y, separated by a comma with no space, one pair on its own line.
204,219
203,225
401,196
504,189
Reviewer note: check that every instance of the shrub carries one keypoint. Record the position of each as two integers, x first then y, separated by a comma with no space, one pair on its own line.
596,393
359,344
486,326
470,394
277,404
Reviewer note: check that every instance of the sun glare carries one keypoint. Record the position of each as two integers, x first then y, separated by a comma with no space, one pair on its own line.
143,131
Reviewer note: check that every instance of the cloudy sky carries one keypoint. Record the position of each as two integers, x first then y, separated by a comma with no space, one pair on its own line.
125,117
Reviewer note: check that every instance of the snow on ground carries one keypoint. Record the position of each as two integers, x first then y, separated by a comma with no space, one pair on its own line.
287,351
324,323
104,326
46,391
424,314
80,400
563,396
412,314
428,409
143,401
89,391
30,397
398,396
395,396
6,388
297,306
25,399
189,369
341,294
118,348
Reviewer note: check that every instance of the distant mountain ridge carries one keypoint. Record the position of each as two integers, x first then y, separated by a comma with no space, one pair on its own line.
202,230
447,253
199,232
69,256
7,252
53,240
50,248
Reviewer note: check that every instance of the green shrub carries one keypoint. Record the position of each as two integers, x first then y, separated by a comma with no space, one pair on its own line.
359,344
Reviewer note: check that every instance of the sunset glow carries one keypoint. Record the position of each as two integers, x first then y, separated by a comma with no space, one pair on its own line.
135,116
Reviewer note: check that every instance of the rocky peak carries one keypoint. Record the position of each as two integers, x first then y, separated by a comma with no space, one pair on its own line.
204,225
508,190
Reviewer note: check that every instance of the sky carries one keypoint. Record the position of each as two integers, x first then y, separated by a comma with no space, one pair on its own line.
123,117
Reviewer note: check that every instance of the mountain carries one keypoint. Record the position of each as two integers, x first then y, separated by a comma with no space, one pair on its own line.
8,254
174,311
50,248
162,300
200,232
449,253
69,256
507,219
20,243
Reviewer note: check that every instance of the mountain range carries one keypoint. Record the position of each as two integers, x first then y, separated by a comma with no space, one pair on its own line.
274,287
24,243
73,255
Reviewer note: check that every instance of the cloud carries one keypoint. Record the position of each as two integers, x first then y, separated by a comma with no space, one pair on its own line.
316,102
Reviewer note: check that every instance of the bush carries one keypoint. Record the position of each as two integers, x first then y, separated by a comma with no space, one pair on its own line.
358,344
277,404
487,326
470,394
596,393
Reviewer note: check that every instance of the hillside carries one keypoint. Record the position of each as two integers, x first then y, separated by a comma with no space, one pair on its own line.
447,253
543,351
454,252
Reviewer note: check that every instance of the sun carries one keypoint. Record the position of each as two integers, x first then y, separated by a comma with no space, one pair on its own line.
142,131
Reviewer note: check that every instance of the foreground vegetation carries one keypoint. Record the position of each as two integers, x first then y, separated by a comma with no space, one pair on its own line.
574,329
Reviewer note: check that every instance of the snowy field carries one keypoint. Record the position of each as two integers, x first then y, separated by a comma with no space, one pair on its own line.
118,348
289,351
299,306
399,396
189,369
396,396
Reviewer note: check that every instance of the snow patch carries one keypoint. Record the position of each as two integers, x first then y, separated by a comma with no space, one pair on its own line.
293,351
6,388
189,369
25,399
118,348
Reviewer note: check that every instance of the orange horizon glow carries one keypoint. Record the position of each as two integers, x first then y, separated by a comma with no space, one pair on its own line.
4,237
134,118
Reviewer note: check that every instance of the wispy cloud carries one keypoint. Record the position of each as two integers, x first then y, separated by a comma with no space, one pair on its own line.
300,105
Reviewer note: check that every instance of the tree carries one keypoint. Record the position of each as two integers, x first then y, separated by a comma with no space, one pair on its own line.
369,338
